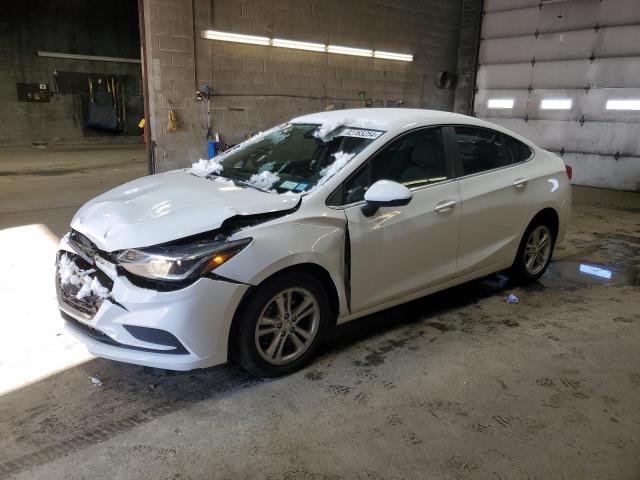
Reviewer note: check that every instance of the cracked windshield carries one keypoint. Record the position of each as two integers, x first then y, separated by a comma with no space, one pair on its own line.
289,158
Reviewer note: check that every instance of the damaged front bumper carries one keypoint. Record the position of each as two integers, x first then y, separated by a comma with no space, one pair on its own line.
180,329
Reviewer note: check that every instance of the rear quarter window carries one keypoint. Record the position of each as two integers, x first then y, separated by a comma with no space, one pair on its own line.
483,149
518,151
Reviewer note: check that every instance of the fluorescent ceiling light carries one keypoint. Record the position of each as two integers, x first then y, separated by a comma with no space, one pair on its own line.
235,37
393,56
556,104
93,58
295,44
623,104
360,52
315,47
500,103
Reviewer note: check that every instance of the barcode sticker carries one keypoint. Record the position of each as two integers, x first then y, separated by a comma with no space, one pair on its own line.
360,133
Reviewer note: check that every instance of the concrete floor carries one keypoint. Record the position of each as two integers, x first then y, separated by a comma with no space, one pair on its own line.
456,385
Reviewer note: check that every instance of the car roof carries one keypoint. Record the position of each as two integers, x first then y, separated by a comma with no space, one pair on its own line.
395,119
387,117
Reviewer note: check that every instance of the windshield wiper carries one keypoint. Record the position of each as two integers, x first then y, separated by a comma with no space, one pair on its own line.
247,184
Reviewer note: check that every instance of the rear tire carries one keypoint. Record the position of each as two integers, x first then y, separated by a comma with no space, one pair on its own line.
535,251
281,325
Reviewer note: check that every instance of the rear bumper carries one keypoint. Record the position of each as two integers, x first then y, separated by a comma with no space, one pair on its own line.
176,330
564,215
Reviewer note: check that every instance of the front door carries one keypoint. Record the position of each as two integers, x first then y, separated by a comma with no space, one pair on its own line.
401,250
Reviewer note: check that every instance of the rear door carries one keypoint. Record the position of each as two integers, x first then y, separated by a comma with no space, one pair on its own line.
400,250
496,201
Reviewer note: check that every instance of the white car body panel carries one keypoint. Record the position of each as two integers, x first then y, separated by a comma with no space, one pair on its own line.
168,206
494,215
289,241
199,316
403,249
398,254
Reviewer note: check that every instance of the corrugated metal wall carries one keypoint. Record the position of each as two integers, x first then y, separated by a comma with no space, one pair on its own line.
584,50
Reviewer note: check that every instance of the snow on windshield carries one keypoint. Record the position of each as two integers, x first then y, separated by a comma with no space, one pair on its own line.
264,180
204,167
270,167
329,129
341,159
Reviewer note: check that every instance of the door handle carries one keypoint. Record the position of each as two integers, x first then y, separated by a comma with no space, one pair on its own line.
520,182
444,206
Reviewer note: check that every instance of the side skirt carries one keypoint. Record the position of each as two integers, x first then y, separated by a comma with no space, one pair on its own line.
421,293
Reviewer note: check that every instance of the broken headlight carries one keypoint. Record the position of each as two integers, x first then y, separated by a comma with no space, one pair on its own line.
175,263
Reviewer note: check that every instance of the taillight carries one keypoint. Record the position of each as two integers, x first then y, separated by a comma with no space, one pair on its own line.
569,171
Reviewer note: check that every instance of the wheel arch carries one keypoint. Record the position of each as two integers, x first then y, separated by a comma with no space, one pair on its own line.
547,213
313,269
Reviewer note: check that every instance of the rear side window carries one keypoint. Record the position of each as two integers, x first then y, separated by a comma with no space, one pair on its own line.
483,149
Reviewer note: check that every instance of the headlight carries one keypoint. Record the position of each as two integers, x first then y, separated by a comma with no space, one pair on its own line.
179,262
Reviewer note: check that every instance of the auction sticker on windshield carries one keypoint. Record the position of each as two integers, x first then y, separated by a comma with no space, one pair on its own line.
359,133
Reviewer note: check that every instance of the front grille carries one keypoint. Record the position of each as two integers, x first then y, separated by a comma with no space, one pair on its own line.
67,294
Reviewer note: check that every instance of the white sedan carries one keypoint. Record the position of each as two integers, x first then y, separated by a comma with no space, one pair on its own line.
255,254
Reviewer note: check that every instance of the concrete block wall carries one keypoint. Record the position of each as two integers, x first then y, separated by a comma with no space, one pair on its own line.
89,27
257,87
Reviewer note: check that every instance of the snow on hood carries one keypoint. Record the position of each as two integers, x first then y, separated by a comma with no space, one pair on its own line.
169,206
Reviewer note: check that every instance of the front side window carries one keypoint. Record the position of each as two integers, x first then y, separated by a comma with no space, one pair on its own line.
292,157
415,159
483,149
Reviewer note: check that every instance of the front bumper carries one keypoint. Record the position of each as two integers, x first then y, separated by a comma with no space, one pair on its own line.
176,330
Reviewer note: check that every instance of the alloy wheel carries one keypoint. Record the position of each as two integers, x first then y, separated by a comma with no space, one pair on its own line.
538,249
287,326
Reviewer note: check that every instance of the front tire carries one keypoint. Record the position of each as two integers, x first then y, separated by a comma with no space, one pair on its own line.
535,252
281,324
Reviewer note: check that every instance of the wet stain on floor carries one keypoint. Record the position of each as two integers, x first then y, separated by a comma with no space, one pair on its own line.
568,274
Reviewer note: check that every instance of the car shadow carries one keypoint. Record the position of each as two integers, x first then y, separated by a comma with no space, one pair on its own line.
423,308
67,411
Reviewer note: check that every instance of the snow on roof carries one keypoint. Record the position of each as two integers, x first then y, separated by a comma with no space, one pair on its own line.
397,119
384,117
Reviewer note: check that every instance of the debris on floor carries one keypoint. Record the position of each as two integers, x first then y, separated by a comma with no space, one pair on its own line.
96,381
511,298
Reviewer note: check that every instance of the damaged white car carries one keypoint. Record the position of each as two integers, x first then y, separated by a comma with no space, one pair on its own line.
256,254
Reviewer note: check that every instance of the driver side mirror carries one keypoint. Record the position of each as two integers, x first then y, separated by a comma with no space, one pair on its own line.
385,193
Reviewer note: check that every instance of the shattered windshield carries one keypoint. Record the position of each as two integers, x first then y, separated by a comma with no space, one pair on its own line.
290,157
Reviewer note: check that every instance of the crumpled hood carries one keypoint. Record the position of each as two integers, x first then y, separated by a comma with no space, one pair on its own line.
169,206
